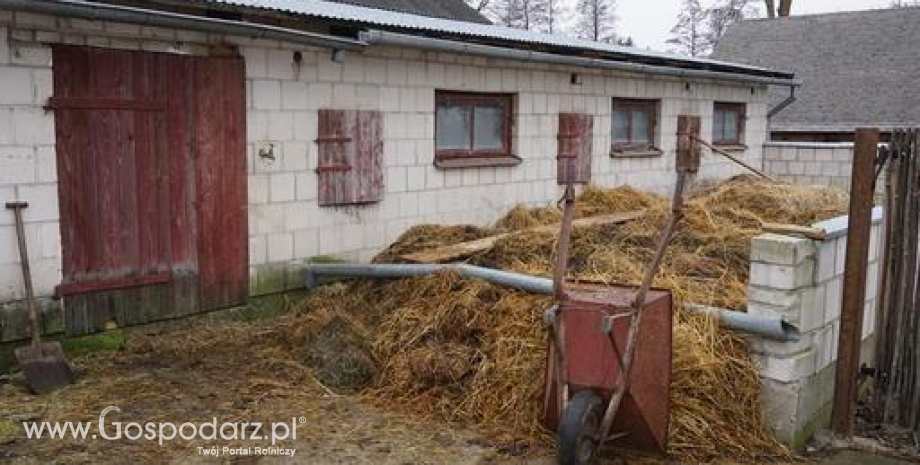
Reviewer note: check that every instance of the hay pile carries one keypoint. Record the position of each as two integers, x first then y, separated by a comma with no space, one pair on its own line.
464,350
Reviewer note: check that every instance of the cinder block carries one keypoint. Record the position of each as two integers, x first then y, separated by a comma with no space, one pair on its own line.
772,311
813,307
833,299
840,260
825,265
782,349
282,187
17,86
280,64
782,276
266,95
306,185
280,126
43,202
49,240
306,243
294,95
280,247
258,250
396,179
781,250
319,95
791,368
297,216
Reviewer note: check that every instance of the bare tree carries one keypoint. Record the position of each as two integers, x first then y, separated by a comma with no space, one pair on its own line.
689,35
521,14
596,20
904,3
555,11
725,13
478,5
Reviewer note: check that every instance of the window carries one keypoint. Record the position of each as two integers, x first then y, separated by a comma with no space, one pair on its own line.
473,130
633,127
727,123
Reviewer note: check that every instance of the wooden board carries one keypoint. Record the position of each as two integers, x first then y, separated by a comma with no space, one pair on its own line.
221,185
817,234
573,157
466,249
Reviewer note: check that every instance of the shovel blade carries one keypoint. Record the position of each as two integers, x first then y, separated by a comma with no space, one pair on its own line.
45,366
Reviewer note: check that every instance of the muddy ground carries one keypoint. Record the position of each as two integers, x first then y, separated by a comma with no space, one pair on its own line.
234,371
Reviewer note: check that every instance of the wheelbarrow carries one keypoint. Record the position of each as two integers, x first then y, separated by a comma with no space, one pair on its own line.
609,355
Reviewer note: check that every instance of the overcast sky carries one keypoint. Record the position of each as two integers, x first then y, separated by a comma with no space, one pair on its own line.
650,21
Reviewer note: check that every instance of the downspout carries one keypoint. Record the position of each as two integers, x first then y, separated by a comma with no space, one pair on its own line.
770,328
147,17
378,37
782,105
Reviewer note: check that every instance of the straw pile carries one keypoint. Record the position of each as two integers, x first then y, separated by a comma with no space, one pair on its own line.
463,350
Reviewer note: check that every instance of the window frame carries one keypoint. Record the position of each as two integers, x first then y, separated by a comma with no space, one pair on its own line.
462,158
631,148
724,107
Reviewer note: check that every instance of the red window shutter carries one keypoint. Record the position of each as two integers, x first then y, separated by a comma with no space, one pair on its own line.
350,157
573,159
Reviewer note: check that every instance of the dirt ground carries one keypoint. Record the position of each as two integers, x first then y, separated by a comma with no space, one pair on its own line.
237,372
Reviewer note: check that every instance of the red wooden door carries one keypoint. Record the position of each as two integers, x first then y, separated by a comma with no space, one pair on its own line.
220,141
131,136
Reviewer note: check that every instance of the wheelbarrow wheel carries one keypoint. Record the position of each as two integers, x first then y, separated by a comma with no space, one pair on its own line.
578,429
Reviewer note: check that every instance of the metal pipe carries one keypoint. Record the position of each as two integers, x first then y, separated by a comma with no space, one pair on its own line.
378,37
147,17
782,105
770,328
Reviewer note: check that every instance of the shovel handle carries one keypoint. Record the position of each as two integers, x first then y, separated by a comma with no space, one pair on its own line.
18,206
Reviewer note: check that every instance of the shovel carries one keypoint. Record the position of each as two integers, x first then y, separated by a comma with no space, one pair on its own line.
44,364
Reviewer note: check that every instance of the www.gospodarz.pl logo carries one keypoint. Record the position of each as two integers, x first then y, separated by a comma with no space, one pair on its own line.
168,431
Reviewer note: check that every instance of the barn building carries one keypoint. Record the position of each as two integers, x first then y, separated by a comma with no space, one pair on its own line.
182,157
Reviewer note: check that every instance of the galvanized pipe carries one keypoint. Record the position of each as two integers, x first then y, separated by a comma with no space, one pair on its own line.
148,17
378,37
770,328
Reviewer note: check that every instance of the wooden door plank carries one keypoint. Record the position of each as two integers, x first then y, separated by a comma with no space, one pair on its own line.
221,182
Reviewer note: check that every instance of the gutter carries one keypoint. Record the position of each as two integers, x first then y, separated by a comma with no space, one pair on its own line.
315,274
378,37
147,17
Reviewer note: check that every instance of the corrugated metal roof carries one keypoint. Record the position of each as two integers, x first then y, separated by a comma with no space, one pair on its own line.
395,19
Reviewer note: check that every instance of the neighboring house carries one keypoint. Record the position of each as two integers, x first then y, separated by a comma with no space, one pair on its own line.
858,68
180,157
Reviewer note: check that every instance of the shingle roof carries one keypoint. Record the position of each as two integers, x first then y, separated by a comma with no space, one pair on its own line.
858,68
448,9
489,33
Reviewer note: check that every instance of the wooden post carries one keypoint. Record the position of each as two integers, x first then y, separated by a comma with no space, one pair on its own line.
854,279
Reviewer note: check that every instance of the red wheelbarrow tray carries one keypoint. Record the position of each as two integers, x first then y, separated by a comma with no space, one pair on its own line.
592,363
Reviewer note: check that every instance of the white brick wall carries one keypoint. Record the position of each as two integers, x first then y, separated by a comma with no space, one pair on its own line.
800,280
827,164
286,225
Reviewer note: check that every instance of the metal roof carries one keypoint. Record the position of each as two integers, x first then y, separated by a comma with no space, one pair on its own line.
406,21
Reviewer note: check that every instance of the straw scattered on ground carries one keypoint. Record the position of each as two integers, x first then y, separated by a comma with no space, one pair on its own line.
462,350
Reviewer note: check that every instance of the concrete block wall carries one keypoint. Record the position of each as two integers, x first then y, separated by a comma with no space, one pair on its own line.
822,163
286,224
801,281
